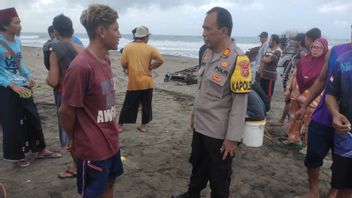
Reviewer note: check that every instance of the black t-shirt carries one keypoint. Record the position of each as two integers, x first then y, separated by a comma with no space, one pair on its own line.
64,51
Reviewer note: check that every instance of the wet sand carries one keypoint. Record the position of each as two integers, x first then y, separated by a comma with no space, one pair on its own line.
157,161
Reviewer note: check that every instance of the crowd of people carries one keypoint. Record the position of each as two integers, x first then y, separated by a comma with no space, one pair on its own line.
316,94
316,84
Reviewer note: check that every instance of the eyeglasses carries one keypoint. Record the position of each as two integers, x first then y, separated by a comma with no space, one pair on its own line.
316,47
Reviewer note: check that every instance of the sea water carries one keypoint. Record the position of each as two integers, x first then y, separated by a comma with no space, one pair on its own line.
187,46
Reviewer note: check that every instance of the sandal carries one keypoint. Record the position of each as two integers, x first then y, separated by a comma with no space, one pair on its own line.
49,155
67,174
298,144
22,163
303,151
142,129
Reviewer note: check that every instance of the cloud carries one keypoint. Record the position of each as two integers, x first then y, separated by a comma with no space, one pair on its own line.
186,16
123,5
342,23
253,6
336,8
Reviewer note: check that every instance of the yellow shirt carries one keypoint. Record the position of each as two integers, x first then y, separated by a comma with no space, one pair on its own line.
138,58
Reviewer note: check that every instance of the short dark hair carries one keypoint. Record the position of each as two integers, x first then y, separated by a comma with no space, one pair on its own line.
63,25
96,15
134,32
224,18
3,23
313,34
275,38
300,39
50,29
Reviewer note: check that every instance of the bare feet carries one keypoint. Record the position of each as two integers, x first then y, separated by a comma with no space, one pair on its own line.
309,195
332,193
141,128
119,128
71,172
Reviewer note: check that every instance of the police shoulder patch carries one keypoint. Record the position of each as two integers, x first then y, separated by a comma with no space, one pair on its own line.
241,77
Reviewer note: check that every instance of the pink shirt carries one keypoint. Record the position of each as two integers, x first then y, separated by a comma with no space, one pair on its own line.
89,87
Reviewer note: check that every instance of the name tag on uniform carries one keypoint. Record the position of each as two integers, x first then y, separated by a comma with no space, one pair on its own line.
218,79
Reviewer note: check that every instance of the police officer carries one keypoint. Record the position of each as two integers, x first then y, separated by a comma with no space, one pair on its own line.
219,109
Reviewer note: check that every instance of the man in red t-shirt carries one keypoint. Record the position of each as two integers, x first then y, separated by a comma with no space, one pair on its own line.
88,110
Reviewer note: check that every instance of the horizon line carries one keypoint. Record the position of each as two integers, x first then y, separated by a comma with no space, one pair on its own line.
251,36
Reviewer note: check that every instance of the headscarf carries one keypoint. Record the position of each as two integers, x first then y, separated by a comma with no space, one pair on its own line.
309,67
8,13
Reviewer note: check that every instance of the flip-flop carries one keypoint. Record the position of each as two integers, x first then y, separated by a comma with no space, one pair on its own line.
141,130
22,163
69,174
297,144
49,155
303,151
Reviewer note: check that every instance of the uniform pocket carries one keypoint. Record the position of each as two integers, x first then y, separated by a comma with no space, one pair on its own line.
216,90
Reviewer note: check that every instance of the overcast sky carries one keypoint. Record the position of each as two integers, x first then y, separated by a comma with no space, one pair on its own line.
185,17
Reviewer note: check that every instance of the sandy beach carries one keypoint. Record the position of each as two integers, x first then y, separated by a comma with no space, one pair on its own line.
156,162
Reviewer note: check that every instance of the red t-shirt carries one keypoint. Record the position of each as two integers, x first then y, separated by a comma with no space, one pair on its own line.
89,87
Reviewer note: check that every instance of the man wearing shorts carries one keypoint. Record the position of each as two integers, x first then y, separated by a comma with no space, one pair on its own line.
88,110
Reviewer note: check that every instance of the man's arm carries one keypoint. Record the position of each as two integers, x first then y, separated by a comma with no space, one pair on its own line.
123,59
75,84
157,59
236,122
333,94
54,72
67,115
260,54
339,121
266,59
273,58
289,85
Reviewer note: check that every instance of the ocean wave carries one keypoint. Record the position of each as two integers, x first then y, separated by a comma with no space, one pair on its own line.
187,46
25,37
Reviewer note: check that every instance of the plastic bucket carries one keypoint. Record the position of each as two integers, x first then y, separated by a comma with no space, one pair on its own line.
254,133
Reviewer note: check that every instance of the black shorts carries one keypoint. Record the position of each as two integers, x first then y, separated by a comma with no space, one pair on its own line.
133,100
320,142
94,177
341,173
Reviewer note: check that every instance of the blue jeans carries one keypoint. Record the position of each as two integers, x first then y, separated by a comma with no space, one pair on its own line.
64,138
